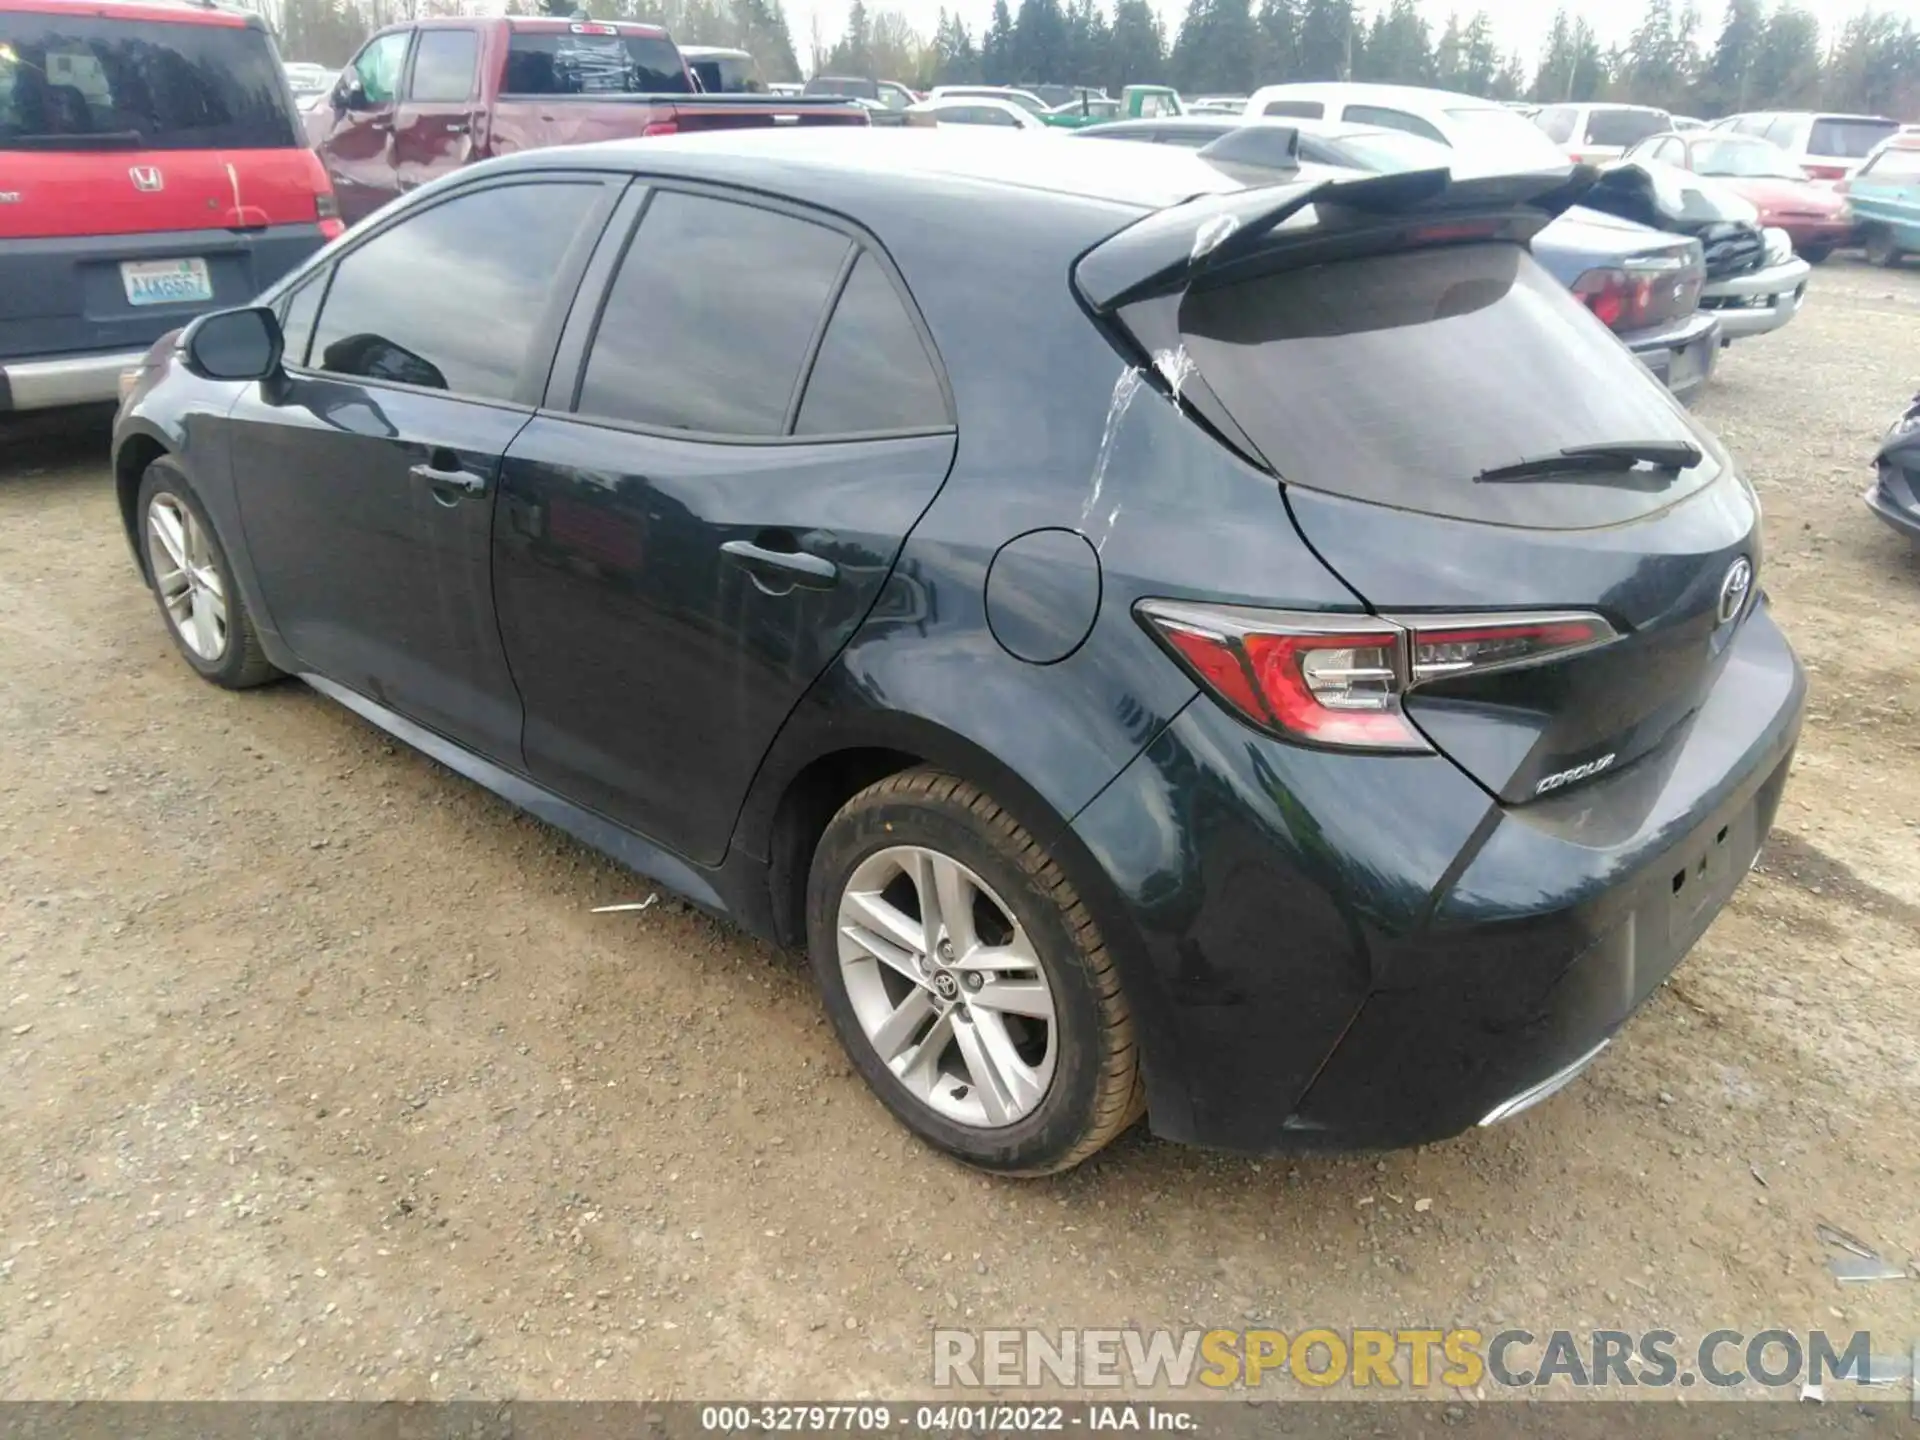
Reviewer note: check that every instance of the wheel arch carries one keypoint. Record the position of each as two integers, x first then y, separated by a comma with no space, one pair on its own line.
810,776
136,450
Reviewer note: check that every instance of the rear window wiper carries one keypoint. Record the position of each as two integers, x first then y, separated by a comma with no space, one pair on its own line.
1607,457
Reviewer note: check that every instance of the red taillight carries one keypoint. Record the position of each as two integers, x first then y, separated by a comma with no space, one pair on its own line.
660,127
1338,680
1623,297
1605,292
326,210
1826,172
594,29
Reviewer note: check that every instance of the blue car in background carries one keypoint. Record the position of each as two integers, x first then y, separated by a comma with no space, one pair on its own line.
1885,195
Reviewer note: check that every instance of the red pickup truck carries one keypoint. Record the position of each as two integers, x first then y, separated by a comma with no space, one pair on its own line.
428,96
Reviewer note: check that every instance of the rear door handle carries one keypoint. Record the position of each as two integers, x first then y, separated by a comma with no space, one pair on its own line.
449,481
783,568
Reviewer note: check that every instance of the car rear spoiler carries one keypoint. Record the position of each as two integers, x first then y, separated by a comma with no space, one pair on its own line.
1170,248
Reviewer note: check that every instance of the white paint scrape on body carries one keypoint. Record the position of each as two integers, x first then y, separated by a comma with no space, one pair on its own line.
1175,367
1124,390
1210,234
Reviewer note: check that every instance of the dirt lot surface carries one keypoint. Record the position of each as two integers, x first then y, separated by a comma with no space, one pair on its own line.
321,1080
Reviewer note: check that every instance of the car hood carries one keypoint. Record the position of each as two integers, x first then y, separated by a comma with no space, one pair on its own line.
1768,195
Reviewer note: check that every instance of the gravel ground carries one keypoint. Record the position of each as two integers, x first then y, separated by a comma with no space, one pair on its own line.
320,1079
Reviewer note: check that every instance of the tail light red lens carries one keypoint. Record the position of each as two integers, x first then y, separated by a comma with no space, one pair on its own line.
326,210
1825,172
1339,680
660,127
1624,296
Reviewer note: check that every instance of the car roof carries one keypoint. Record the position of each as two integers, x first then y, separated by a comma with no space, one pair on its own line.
713,52
1406,97
813,164
175,12
542,24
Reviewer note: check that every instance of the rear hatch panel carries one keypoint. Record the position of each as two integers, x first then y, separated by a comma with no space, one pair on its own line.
1385,361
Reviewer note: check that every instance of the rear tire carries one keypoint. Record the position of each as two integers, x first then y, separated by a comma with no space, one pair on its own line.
1816,254
968,1067
192,582
1880,247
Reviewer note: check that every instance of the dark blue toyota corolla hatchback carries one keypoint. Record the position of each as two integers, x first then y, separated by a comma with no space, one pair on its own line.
1265,659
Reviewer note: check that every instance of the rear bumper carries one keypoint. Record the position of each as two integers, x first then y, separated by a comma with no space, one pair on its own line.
1681,356
67,380
1358,952
1895,498
1760,303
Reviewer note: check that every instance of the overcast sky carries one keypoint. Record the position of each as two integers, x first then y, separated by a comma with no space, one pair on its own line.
1520,24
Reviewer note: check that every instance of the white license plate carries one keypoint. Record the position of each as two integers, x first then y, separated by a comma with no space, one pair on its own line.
166,282
1687,366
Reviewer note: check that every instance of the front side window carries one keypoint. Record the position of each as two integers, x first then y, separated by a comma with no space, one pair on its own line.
72,81
710,317
443,65
449,298
1154,106
378,68
297,310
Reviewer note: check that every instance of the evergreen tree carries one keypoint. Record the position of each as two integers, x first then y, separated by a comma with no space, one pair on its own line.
996,46
1399,48
1040,53
1279,52
1786,73
1728,74
1138,52
1331,40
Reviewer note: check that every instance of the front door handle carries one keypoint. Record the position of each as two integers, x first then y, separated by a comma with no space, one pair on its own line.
457,127
782,568
449,481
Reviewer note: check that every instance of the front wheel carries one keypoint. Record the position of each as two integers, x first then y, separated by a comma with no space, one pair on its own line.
1816,254
193,583
967,980
1880,247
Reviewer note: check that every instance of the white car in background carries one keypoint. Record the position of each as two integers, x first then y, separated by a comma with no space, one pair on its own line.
1025,99
1826,147
1599,133
1486,137
981,110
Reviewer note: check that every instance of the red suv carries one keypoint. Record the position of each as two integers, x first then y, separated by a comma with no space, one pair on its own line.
152,167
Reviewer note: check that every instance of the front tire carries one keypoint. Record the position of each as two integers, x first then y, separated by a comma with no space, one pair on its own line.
1817,254
967,980
192,581
1880,247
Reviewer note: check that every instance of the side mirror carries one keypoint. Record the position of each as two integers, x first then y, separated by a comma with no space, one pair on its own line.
350,94
234,344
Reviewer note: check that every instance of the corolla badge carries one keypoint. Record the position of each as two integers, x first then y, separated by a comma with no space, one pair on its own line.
1733,590
147,177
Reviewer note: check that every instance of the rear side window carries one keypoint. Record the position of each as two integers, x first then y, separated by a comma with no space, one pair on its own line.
1394,120
449,298
872,373
1317,365
1784,131
1558,123
710,317
443,63
593,60
1298,109
1848,139
1625,127
90,82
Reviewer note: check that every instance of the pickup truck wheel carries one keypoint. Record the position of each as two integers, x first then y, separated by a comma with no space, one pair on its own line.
193,583
1816,254
967,981
1880,247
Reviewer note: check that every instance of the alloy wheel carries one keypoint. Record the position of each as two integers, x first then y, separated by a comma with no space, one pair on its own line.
189,582
947,987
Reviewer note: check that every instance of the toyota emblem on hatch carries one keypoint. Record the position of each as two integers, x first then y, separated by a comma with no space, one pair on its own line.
147,177
1733,589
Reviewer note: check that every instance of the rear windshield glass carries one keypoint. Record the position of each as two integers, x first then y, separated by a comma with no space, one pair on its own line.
568,63
70,82
1399,378
1625,127
1849,139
